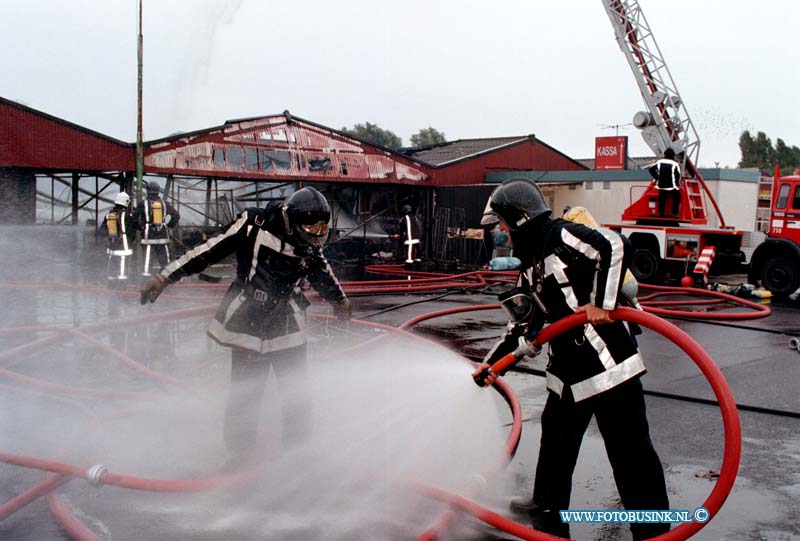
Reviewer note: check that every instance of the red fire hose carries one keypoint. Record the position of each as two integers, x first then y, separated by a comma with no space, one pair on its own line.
421,282
730,418
759,310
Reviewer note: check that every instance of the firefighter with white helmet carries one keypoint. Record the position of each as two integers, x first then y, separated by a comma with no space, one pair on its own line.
116,224
262,316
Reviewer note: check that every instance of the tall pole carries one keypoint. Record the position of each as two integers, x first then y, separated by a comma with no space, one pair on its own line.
139,149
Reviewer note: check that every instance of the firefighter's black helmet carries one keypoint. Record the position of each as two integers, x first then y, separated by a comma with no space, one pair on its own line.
307,206
153,190
517,201
406,210
308,213
669,153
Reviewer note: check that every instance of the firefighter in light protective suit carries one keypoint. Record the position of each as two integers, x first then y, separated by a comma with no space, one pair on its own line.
155,218
115,224
262,316
410,231
593,370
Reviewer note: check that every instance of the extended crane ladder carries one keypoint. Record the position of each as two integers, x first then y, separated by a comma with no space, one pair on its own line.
660,93
655,82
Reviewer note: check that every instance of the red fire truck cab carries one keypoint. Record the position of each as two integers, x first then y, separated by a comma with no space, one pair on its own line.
776,261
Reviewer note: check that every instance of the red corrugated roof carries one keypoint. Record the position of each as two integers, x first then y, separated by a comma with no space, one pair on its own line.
33,139
276,147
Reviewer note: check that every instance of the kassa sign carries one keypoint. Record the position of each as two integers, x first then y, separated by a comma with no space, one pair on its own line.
610,153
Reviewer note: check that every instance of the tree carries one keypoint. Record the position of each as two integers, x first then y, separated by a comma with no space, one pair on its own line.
746,149
787,157
759,152
372,133
427,136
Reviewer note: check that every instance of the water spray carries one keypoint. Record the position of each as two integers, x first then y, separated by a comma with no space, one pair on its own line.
60,473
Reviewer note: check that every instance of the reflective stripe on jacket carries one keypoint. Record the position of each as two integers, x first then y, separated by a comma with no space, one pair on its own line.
264,308
581,265
666,173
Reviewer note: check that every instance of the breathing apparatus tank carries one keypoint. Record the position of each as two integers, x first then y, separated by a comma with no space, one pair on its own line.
156,213
112,220
581,215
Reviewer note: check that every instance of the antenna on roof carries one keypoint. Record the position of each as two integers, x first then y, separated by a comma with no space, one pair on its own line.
615,126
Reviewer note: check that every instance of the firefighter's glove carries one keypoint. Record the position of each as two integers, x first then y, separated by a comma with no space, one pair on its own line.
484,375
526,348
342,309
153,288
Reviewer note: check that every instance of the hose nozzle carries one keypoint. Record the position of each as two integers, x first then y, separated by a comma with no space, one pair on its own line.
525,348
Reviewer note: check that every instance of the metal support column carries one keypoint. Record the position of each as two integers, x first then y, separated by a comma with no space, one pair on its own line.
208,200
52,200
96,204
75,187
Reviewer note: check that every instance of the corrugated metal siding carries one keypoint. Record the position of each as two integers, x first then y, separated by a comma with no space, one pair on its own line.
470,198
29,138
312,153
18,197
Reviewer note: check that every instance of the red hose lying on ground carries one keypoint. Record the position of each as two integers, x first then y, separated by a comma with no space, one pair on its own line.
101,476
730,418
649,305
438,281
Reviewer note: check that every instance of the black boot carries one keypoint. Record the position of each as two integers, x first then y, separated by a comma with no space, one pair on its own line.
541,518
526,507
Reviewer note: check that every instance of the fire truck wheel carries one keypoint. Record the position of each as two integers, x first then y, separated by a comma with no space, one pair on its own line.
780,276
645,265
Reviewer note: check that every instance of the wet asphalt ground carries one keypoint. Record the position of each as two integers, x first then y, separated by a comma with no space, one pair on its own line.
754,356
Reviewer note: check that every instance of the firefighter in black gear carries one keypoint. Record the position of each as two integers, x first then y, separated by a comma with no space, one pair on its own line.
116,224
666,174
155,218
262,316
592,370
410,231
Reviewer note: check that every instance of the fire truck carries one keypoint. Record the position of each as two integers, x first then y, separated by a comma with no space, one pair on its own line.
776,261
673,243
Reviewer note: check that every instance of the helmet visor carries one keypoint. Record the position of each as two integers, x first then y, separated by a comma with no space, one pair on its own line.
313,234
489,217
319,229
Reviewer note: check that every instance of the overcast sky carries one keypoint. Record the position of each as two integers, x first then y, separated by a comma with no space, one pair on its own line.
469,68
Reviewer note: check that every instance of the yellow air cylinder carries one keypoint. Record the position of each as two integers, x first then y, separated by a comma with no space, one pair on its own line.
111,223
157,212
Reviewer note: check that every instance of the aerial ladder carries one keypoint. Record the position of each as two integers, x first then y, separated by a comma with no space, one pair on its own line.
666,123
665,244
